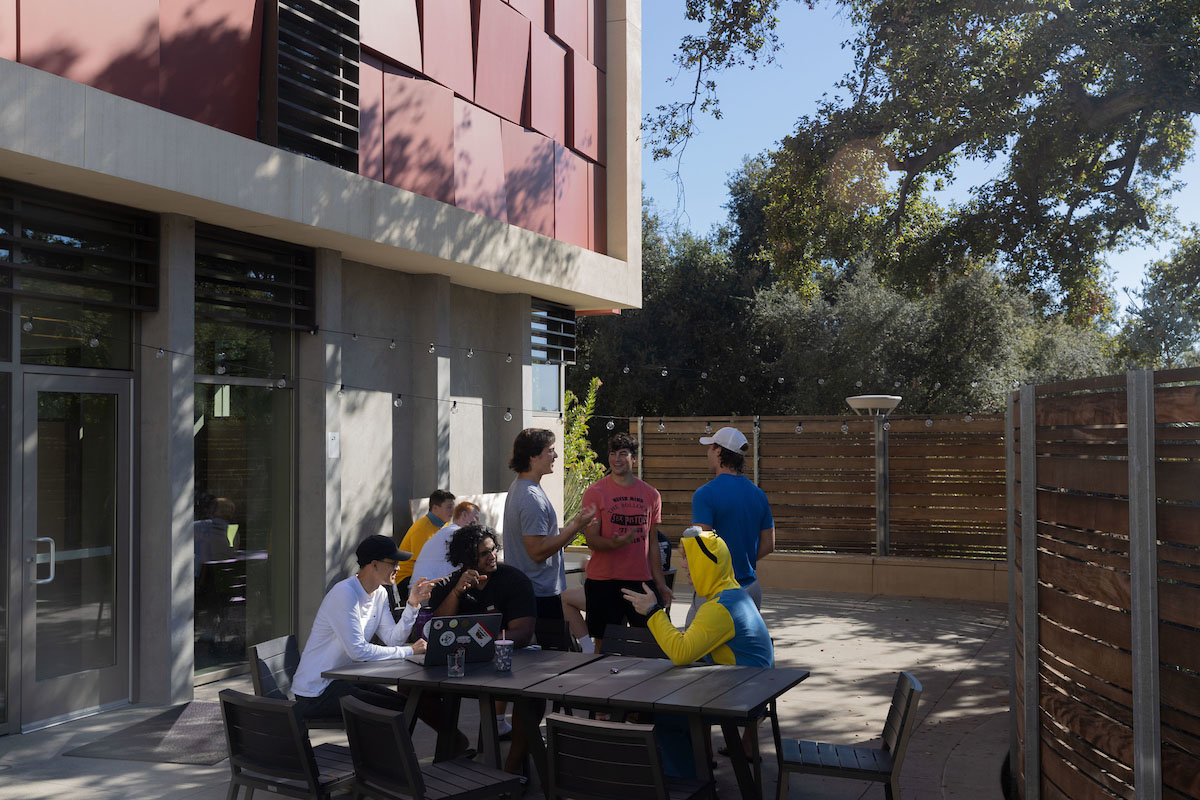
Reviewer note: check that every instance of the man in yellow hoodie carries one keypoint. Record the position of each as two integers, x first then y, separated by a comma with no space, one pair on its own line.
727,629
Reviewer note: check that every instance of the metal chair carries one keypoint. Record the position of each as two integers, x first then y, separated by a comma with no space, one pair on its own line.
269,749
273,667
555,634
601,760
625,641
881,764
386,767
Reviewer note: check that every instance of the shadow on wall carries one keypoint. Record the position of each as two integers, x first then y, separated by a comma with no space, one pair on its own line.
195,58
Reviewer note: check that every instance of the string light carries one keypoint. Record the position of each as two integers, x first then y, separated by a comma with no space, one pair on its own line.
661,426
432,348
820,381
704,376
708,427
508,359
282,382
93,342
161,353
928,422
896,384
398,402
845,427
858,384
887,426
664,372
470,353
741,378
27,325
799,427
610,425
968,418
354,337
625,370
937,385
454,407
757,429
392,344
508,415
221,369
342,390
779,380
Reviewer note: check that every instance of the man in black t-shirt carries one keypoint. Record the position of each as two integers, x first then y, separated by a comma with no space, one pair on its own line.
483,586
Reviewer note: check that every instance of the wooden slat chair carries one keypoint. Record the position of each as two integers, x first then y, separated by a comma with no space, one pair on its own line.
272,668
625,641
600,760
269,749
386,767
881,764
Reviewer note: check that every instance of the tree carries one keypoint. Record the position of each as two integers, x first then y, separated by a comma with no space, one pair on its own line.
1163,326
1088,106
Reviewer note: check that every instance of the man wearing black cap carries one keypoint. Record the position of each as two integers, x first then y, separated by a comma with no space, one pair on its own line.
353,611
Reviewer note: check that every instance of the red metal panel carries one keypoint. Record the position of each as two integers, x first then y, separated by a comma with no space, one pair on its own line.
598,218
548,87
389,27
478,162
569,23
8,29
501,59
529,178
534,11
446,44
598,34
370,118
583,130
210,61
418,135
112,46
570,197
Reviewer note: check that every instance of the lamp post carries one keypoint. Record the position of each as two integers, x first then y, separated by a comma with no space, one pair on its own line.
879,406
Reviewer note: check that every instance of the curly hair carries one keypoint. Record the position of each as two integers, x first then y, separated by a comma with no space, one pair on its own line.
623,441
463,549
529,443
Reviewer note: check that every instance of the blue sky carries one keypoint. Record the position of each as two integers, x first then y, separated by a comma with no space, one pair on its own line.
761,106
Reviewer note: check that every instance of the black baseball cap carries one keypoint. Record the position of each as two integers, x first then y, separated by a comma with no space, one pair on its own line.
379,548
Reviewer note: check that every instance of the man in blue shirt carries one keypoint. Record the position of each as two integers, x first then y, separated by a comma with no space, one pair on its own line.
735,509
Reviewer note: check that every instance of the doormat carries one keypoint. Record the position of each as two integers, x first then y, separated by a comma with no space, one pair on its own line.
193,733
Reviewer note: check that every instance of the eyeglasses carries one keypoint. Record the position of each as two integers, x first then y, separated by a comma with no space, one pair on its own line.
391,565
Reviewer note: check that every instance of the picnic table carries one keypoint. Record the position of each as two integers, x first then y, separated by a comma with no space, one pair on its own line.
727,695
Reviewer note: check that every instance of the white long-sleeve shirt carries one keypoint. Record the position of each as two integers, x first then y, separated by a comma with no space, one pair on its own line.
341,634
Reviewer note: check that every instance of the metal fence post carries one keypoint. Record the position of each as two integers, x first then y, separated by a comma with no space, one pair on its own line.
641,445
1010,485
882,492
755,452
1143,572
1029,588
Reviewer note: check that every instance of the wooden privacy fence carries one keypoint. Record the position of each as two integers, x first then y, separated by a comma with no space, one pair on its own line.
921,486
1105,595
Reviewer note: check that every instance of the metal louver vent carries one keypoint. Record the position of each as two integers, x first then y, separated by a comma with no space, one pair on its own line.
552,328
249,280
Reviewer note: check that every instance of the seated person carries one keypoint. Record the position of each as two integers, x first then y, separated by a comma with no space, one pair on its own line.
433,562
482,585
354,611
727,629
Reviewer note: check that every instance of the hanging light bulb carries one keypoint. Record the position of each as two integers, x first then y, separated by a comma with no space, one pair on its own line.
587,367
974,384
896,384
392,344
454,407
625,369
93,342
221,369
161,353
858,384
398,402
661,427
741,378
704,376
27,325
937,384
928,422
708,427
845,427
508,359
470,352
282,382
799,427
610,425
342,390
354,337
432,348
820,381
508,415
664,372
887,426
968,418
779,380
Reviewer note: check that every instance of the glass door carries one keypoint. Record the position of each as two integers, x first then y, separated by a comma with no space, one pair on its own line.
75,523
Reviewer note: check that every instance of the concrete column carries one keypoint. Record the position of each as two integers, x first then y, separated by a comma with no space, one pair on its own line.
1029,587
516,379
1143,572
322,549
165,658
431,386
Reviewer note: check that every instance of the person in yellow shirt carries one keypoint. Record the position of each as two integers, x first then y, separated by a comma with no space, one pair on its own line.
441,509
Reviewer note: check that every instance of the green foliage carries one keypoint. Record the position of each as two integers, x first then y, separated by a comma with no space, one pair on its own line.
581,466
1087,108
1163,328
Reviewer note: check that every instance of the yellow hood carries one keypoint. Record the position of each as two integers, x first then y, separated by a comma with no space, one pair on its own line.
709,562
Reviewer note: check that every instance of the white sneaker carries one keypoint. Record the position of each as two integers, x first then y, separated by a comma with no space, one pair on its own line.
503,727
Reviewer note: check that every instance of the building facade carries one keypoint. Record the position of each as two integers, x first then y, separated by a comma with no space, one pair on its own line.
270,269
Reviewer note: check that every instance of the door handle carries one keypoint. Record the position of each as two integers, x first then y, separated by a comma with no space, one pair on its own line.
48,579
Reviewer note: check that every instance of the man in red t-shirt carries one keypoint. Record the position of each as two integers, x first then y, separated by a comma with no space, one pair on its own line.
624,546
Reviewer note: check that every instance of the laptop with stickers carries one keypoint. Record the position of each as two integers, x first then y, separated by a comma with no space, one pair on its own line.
475,633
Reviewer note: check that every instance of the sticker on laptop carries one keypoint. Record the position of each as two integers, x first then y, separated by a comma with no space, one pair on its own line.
480,634
447,638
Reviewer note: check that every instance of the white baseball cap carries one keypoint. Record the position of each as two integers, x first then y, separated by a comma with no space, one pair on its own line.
729,438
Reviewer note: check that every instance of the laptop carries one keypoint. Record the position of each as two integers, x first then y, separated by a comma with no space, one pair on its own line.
475,633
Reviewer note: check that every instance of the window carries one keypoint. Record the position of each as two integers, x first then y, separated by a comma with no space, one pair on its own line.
552,331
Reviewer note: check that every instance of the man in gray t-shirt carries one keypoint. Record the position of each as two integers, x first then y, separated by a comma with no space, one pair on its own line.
533,542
